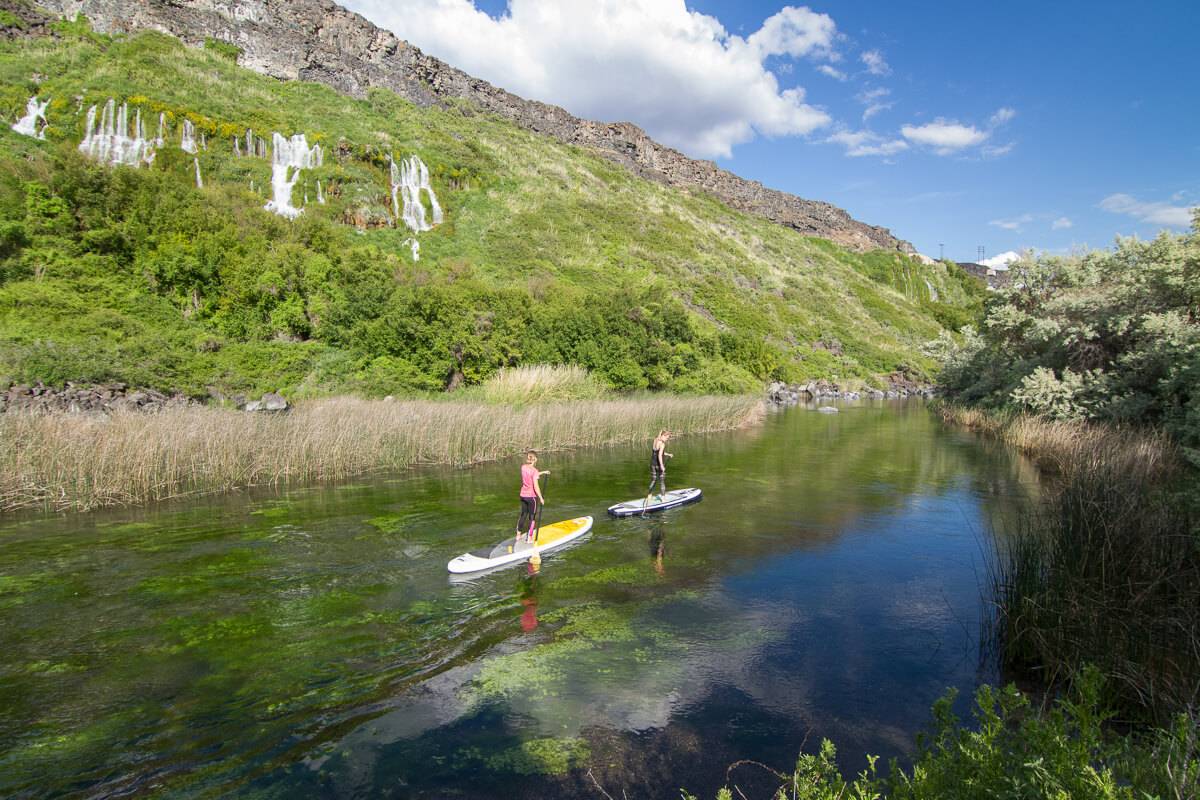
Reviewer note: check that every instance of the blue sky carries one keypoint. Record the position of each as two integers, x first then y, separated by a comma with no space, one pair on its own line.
1017,125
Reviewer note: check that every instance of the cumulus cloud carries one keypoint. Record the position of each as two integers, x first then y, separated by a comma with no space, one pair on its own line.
676,72
866,143
795,32
1001,261
1013,223
1061,223
944,136
875,63
832,71
1153,213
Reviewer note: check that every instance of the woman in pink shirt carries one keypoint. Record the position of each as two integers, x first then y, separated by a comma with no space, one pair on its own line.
531,495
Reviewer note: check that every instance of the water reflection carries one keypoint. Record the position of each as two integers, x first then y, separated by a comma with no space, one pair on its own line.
310,642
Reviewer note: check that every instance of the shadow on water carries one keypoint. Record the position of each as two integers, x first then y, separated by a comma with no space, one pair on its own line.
310,641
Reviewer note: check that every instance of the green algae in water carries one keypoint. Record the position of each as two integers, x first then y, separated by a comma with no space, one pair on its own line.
389,523
547,756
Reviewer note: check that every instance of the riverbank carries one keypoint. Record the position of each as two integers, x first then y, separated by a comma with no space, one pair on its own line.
59,461
1105,568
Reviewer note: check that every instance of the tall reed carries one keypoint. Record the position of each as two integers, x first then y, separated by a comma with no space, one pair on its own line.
1105,568
76,461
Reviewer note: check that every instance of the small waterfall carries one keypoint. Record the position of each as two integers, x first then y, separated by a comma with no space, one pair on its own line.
933,295
237,150
289,159
162,128
415,246
28,124
199,180
187,139
409,178
111,139
203,141
320,196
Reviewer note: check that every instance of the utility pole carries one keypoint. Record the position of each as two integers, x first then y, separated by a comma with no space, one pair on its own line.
941,251
979,254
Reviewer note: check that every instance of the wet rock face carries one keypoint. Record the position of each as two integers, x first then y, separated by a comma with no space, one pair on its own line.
318,40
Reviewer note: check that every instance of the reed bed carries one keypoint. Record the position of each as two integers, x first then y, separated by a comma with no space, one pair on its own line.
65,461
1105,569
540,383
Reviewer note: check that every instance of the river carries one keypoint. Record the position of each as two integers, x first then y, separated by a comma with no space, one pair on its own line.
309,642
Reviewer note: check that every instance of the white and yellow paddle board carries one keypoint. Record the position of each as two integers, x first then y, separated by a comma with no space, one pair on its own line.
511,550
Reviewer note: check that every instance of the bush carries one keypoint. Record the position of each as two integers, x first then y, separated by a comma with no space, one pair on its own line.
1110,335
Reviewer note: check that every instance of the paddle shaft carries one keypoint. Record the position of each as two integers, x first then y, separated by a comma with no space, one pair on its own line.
538,529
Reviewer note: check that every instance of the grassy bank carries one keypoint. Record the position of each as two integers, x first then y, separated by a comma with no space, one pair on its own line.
548,253
1011,750
80,462
1105,569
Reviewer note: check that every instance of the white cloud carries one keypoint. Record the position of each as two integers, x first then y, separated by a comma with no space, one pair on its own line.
795,32
944,136
874,102
997,150
1061,223
1001,261
1001,116
677,73
1012,224
833,72
875,63
1153,213
866,143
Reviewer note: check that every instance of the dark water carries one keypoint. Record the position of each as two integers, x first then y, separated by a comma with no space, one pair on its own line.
311,643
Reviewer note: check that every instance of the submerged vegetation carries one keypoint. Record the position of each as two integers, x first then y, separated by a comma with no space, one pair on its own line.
73,461
548,253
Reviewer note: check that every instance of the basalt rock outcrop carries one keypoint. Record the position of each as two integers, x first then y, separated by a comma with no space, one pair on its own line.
318,40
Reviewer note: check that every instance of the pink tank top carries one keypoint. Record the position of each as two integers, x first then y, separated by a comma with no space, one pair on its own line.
529,474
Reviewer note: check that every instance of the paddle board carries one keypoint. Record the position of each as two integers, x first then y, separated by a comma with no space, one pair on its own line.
511,551
675,497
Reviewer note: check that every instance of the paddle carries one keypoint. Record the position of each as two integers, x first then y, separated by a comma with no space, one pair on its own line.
538,531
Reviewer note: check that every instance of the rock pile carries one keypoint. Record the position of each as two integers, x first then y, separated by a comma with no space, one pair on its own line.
81,399
781,394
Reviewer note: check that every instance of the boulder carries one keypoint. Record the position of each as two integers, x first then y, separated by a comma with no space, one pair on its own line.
274,402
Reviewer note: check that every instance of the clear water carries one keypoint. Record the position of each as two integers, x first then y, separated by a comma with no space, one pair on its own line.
311,643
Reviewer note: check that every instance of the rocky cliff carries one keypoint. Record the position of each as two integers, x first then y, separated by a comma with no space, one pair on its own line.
318,40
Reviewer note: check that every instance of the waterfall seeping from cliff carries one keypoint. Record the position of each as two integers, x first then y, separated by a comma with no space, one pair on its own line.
187,138
933,295
28,124
113,139
409,178
415,246
199,180
162,129
290,157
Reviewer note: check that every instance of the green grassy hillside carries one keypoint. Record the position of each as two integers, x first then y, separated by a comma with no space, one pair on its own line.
549,254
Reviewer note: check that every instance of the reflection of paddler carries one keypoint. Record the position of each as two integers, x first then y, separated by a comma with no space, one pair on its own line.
529,620
658,546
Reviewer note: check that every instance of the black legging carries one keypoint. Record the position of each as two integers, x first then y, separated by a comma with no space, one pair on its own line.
528,514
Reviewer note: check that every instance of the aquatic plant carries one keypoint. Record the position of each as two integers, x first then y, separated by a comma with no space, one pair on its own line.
63,461
1105,568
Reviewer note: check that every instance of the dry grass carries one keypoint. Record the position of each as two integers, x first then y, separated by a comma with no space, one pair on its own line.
74,461
1063,447
540,383
1105,570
